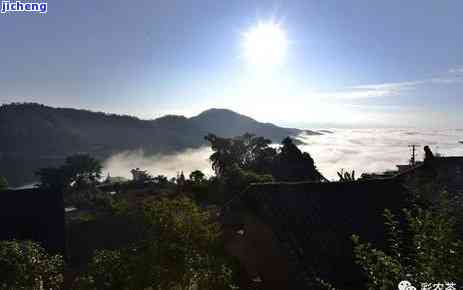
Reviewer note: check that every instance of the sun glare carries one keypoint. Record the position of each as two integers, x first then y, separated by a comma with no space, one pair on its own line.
265,45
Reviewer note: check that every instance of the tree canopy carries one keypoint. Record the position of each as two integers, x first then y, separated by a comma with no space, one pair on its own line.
81,168
197,176
77,170
180,249
292,164
255,154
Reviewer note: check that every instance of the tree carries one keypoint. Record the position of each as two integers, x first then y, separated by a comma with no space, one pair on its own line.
53,178
254,154
77,171
82,168
426,249
161,180
345,176
181,249
258,156
227,152
238,180
247,152
3,183
293,165
197,177
26,265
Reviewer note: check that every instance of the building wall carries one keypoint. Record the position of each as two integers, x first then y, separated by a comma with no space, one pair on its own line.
253,242
35,215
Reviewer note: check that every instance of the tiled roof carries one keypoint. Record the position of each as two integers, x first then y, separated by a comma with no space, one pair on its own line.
314,221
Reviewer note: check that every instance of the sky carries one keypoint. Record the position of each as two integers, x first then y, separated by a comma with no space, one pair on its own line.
346,63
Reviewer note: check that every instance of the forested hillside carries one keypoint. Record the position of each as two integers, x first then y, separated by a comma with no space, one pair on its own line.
35,134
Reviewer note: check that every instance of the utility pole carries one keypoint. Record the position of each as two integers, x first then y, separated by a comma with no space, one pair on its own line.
413,159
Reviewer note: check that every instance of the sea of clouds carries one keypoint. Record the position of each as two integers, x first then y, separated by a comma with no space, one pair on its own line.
166,164
362,150
376,150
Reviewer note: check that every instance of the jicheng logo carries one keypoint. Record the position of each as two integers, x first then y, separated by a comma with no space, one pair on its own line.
19,6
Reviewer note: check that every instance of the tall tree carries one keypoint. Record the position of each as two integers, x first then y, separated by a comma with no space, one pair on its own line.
82,168
247,152
227,152
294,165
258,156
254,154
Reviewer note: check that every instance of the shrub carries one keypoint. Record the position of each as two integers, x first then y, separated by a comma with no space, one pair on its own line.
425,249
181,249
26,265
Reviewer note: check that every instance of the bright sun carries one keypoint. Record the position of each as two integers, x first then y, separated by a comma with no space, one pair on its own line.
265,45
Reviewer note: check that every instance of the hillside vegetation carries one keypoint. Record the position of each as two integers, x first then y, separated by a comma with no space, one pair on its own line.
35,136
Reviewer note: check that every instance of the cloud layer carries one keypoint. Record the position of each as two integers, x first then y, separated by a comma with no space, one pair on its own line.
169,165
362,150
376,150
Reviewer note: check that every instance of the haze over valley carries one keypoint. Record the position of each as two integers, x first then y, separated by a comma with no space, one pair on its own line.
362,150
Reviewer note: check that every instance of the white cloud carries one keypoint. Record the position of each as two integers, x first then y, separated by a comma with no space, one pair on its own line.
371,90
362,150
454,75
376,150
456,70
167,164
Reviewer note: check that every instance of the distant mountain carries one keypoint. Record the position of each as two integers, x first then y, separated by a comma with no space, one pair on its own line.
227,123
34,135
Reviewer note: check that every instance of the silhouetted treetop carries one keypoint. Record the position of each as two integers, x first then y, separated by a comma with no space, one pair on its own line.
292,164
78,170
255,154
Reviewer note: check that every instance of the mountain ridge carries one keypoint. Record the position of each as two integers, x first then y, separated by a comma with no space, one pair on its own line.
31,131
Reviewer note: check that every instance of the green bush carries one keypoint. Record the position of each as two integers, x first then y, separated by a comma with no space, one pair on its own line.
26,265
425,250
181,249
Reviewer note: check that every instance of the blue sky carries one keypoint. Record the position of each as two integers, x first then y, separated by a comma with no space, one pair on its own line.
359,63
